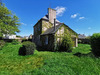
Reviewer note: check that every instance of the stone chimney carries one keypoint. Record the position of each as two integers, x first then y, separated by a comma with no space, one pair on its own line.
51,15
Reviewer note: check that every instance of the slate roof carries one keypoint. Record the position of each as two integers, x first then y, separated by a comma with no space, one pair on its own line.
51,30
47,18
81,36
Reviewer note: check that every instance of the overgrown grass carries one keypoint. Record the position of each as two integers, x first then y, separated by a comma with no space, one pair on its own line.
13,64
48,63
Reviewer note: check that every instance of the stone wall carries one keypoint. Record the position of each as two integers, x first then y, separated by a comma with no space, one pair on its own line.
50,45
39,29
37,32
65,30
46,25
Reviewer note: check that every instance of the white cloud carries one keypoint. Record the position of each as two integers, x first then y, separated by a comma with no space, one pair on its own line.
60,10
75,15
23,24
89,28
81,18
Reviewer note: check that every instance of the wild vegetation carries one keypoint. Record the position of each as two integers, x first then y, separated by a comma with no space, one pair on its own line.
2,43
95,44
9,23
67,44
48,63
27,48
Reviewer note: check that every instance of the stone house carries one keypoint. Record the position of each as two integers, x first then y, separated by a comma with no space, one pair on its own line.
48,31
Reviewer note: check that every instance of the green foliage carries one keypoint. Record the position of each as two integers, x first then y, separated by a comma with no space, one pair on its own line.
82,48
13,64
79,41
18,36
70,31
95,44
84,41
15,42
48,63
8,22
27,48
2,43
62,63
67,44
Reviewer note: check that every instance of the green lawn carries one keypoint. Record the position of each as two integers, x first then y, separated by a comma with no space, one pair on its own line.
48,63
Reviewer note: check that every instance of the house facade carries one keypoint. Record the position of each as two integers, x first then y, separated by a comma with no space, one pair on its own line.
48,31
7,36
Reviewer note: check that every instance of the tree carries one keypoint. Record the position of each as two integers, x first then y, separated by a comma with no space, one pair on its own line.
9,23
95,44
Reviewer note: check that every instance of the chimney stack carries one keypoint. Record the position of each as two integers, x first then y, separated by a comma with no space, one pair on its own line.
51,15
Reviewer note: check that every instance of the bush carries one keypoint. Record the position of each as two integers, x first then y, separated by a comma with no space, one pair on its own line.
27,48
84,41
2,43
67,44
95,44
15,42
79,41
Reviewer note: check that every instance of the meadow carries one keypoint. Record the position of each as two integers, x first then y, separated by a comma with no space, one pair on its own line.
48,63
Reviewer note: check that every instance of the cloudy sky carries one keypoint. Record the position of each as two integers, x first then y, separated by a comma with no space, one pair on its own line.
83,16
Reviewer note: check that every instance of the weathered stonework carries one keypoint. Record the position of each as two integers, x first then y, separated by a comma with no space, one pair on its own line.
46,25
65,30
39,29
47,39
50,45
52,15
37,32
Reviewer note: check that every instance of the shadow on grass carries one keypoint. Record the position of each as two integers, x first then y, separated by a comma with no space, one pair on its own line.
52,50
78,54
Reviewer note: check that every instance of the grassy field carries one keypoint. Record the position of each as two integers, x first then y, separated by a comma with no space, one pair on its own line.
48,63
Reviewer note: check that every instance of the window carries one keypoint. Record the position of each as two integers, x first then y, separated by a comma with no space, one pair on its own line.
46,40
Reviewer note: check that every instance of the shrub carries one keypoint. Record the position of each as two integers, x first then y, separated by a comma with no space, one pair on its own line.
79,41
84,41
15,42
2,43
27,48
95,44
67,44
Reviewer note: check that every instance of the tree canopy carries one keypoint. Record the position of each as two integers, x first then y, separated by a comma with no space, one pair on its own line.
9,23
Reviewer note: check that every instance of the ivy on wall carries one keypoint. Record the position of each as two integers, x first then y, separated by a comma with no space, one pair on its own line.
67,31
46,25
42,26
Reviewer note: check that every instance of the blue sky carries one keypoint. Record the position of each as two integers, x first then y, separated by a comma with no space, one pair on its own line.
83,16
